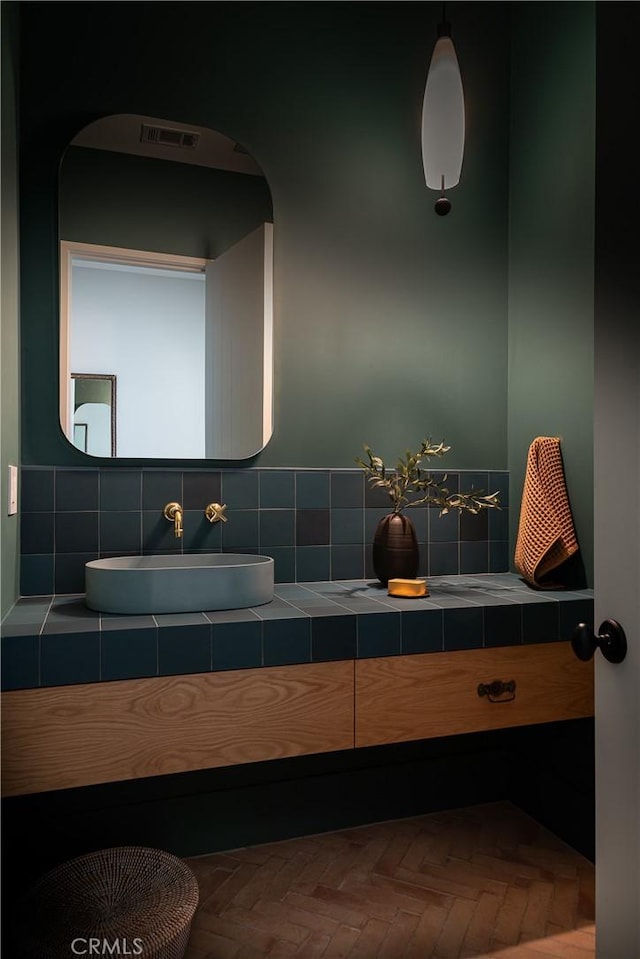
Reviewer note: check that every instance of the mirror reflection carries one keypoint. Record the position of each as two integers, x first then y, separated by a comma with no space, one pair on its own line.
166,259
93,401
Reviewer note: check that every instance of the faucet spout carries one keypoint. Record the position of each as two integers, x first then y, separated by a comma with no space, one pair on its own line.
173,512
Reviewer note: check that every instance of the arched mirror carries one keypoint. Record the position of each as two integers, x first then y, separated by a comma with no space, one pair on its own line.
166,287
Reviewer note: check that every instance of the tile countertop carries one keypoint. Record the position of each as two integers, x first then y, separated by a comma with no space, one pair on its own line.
57,640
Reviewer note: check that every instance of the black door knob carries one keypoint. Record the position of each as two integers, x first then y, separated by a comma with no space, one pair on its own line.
611,641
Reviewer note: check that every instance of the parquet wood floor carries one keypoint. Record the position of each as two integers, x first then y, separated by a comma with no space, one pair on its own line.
486,882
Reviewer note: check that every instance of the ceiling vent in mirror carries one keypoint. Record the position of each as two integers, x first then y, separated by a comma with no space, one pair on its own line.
165,136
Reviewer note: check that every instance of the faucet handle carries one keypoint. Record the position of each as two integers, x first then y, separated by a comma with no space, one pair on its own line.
215,512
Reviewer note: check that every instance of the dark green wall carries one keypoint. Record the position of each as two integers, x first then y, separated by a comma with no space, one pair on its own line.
551,247
390,322
10,442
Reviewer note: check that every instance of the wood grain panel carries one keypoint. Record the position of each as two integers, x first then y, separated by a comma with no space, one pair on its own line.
436,694
60,737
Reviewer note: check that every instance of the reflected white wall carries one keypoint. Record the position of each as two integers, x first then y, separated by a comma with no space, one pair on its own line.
159,315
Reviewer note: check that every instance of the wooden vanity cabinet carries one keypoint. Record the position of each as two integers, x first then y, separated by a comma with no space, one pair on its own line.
68,736
421,696
61,737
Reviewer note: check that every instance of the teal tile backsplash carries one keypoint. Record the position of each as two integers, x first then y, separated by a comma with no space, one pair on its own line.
317,524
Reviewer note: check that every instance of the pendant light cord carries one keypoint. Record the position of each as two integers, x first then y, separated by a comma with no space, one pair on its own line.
444,27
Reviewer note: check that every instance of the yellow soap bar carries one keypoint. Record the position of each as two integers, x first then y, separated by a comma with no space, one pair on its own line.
408,587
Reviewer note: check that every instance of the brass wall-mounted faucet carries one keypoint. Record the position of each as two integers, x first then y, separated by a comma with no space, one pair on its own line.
173,512
215,512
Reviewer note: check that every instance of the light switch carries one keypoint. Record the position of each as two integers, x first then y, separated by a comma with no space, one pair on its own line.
13,490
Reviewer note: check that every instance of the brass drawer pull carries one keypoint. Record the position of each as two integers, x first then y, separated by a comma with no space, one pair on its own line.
498,688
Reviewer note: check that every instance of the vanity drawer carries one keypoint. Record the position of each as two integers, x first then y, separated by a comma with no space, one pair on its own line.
61,737
436,694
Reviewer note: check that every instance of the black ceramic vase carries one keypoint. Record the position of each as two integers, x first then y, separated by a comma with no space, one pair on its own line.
395,549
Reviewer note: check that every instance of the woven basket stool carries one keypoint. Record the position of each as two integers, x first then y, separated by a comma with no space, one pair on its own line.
130,900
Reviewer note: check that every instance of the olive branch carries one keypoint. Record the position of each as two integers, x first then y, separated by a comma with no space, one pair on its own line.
408,484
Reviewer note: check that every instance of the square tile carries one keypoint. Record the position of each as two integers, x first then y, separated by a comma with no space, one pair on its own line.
241,532
347,562
76,490
36,490
199,488
36,575
463,628
312,563
347,490
443,529
160,487
121,531
347,526
184,649
474,557
474,482
71,615
129,653
70,571
120,489
277,489
499,557
474,527
277,527
503,625
76,532
20,661
28,611
422,631
36,533
333,637
540,622
312,527
286,642
240,489
379,635
69,658
237,645
312,490
443,559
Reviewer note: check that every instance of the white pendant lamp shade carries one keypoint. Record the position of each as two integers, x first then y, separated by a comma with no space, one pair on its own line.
443,118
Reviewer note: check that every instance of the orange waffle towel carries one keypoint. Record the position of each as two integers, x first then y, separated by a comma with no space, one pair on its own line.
546,537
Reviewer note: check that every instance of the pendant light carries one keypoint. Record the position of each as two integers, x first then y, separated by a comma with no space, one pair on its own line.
443,118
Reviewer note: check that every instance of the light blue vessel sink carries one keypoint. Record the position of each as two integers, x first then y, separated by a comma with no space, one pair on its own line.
178,584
